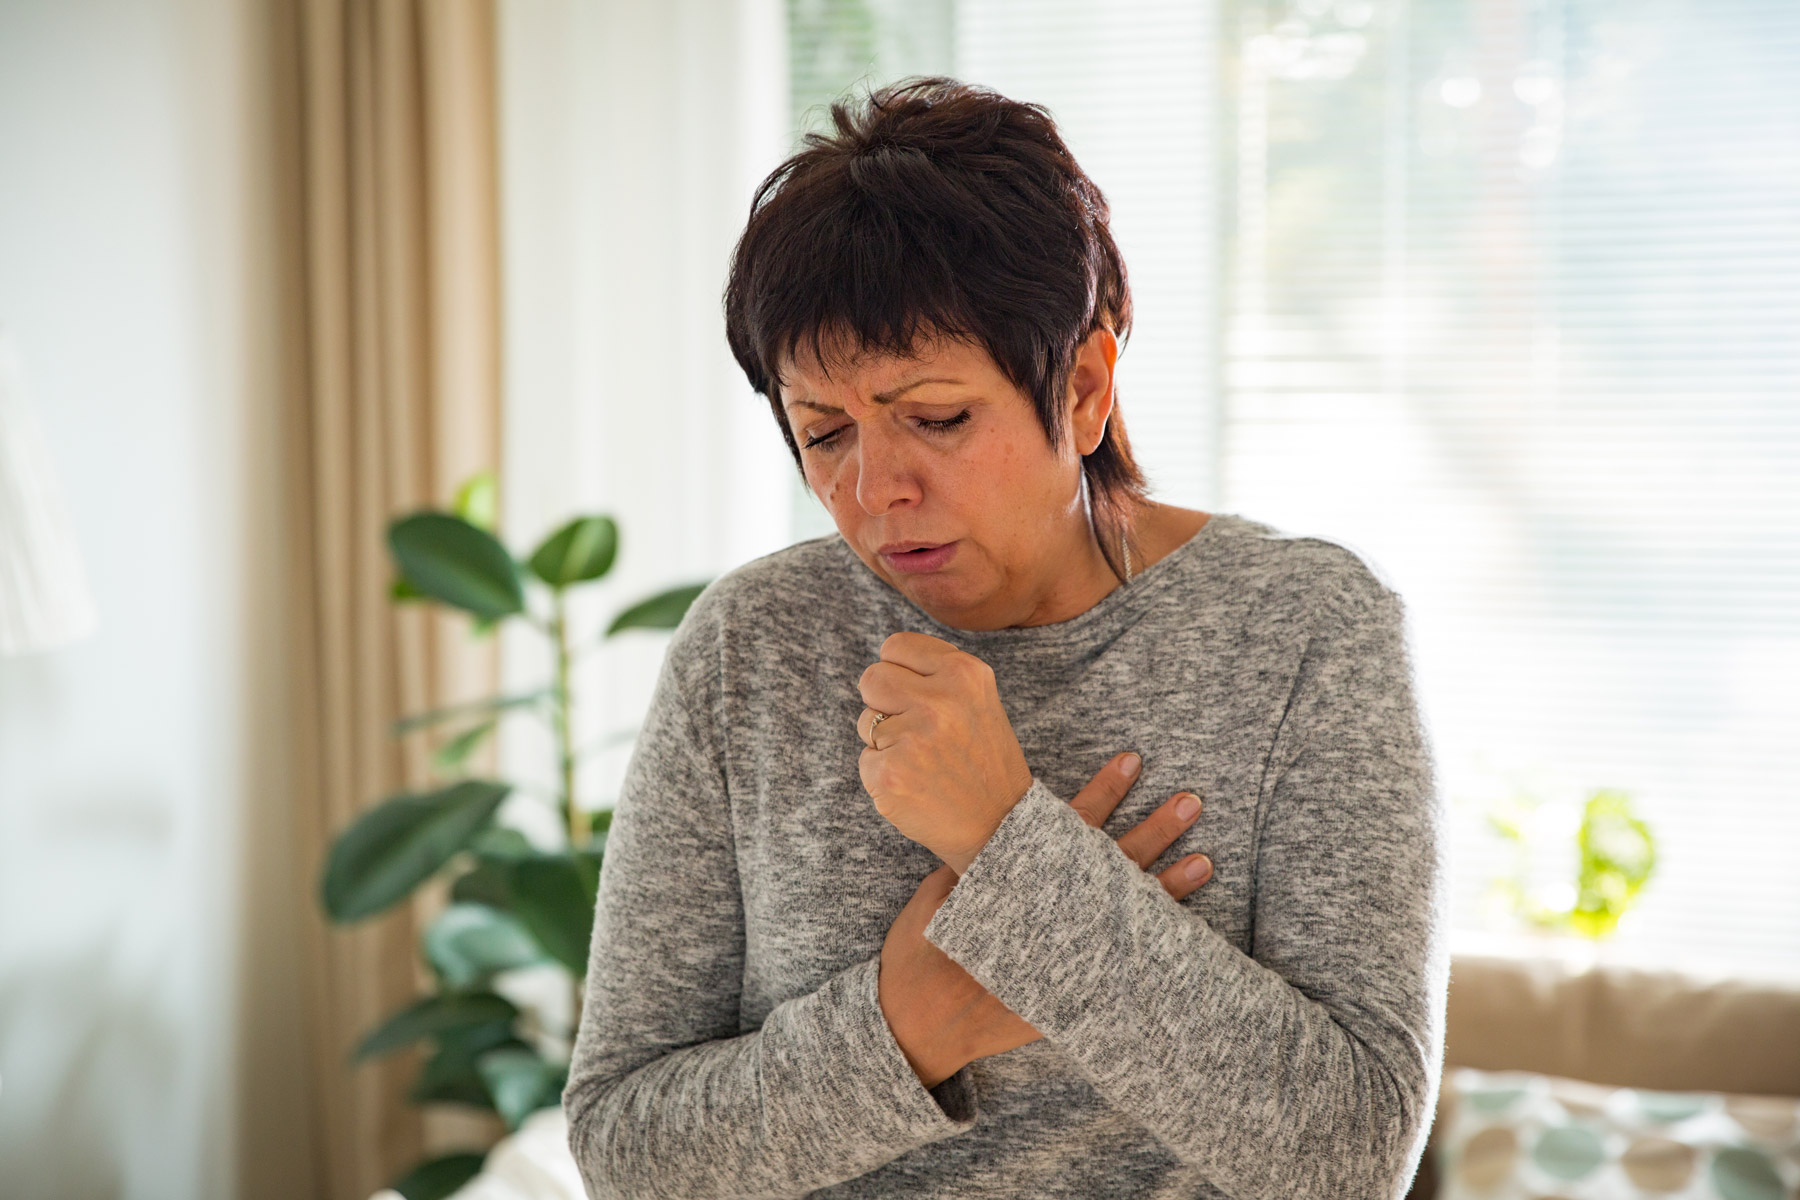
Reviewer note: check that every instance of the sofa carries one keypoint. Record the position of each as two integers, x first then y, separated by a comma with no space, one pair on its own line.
1669,1029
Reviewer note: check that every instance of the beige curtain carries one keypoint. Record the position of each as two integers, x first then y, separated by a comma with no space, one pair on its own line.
394,135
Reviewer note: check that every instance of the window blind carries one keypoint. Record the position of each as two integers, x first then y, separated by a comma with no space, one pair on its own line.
1501,294
1512,308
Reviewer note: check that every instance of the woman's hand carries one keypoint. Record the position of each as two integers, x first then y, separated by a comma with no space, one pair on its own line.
940,1016
944,767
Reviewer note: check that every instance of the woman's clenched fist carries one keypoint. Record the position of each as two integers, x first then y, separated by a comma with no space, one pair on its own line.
944,767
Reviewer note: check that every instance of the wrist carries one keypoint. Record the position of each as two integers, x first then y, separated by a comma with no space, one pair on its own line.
931,1074
959,860
921,1033
929,1058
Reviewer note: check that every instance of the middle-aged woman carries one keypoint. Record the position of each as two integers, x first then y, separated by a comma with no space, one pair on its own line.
897,898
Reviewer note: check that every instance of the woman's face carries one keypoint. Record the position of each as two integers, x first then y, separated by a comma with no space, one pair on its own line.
942,449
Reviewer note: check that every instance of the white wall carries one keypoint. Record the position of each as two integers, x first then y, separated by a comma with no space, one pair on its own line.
150,1028
149,1039
632,138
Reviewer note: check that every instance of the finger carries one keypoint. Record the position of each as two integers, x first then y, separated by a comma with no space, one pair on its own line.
1096,801
919,652
1156,832
865,726
1176,882
888,688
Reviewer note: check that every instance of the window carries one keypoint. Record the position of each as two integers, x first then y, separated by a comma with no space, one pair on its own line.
1503,295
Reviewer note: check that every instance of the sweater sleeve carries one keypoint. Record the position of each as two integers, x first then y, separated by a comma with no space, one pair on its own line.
666,1097
1310,1067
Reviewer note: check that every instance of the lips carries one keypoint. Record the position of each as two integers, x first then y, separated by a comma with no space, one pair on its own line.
925,558
904,547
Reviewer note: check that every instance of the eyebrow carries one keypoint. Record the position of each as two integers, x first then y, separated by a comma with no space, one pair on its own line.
887,397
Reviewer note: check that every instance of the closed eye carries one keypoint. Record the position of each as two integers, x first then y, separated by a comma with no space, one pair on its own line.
935,426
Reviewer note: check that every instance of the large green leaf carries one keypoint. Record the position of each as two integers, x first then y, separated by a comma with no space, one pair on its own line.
490,704
502,842
439,1177
581,550
521,1081
469,942
553,896
661,611
435,1015
457,563
487,883
394,846
490,880
450,1074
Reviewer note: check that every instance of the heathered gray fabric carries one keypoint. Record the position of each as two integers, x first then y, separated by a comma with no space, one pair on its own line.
1278,1033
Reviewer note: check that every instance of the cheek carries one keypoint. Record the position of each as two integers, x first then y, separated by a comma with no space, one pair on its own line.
995,468
827,483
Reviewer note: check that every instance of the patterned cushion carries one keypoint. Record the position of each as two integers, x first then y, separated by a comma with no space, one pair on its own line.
1513,1135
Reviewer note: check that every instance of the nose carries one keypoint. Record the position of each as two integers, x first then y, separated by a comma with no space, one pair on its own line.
884,471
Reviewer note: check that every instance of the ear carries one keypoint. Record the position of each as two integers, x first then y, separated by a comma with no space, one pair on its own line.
1090,394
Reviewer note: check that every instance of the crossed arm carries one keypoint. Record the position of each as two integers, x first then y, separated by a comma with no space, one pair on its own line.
1306,1068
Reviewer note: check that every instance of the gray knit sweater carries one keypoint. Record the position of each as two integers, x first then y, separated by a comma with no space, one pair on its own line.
1276,1034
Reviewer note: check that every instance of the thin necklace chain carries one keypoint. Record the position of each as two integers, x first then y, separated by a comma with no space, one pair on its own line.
1126,547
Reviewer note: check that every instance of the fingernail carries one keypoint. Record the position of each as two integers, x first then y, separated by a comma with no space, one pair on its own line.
1186,807
1130,763
1198,869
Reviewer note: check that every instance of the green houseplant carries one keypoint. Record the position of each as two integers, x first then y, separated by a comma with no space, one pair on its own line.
1614,857
511,904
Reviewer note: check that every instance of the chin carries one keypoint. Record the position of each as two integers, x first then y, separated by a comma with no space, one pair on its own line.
944,598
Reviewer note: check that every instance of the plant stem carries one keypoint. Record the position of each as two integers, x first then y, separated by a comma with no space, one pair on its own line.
564,748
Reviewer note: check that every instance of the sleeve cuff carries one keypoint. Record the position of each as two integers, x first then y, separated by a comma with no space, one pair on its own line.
869,1092
1011,921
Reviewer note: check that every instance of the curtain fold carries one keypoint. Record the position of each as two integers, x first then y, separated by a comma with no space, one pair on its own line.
399,402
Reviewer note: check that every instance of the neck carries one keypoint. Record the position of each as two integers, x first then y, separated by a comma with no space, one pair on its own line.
1058,594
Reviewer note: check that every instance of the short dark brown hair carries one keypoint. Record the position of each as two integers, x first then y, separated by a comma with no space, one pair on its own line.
938,208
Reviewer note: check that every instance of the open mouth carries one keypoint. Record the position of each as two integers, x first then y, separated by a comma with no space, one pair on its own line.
915,561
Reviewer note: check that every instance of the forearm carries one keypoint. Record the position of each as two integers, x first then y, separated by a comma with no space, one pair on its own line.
1232,1067
1270,1092
927,1051
821,1093
927,1019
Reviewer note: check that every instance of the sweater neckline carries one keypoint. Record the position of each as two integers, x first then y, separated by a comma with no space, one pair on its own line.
1113,610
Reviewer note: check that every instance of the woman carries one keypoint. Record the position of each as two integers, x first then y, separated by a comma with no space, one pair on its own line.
896,899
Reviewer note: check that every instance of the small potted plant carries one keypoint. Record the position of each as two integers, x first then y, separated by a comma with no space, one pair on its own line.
1613,857
512,904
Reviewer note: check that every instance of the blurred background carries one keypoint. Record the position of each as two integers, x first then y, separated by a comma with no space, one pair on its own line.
1500,293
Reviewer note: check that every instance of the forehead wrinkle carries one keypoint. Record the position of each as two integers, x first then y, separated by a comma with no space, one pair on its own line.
887,397
837,346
